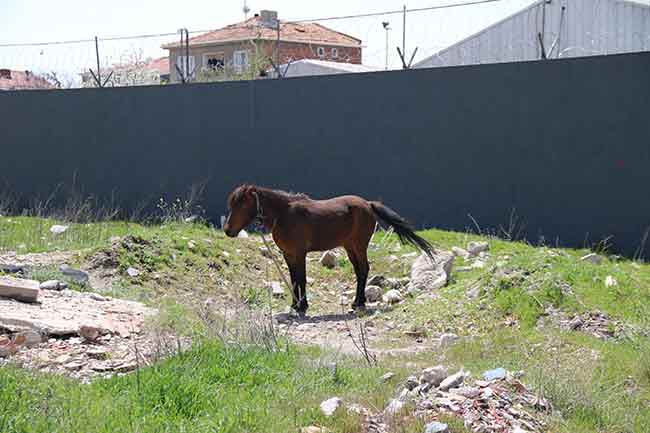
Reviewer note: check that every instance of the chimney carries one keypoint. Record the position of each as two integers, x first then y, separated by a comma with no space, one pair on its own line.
5,73
269,19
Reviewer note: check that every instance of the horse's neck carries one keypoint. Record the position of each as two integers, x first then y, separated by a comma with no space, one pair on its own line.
273,205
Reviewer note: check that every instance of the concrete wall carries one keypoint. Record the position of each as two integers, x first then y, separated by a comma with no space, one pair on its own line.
565,143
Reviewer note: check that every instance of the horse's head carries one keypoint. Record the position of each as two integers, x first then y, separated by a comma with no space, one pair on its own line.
242,205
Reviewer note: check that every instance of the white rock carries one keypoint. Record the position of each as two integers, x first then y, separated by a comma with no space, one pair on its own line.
610,281
328,407
478,264
448,339
50,285
436,427
388,376
58,229
475,248
392,297
428,275
373,293
277,289
460,252
394,406
133,272
343,300
592,258
453,381
328,259
243,234
433,375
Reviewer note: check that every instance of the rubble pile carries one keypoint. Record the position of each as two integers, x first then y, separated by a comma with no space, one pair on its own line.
498,402
79,334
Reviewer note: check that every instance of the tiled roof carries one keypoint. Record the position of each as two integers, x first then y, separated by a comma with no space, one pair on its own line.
160,65
252,28
22,80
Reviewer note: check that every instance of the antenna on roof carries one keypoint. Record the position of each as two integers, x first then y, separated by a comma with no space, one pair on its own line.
246,10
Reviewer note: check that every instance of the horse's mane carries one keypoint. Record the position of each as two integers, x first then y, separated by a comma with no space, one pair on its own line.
237,194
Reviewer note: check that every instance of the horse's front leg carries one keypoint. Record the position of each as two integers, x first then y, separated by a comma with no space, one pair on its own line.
291,264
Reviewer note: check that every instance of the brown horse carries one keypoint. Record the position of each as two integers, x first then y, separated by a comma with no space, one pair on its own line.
300,225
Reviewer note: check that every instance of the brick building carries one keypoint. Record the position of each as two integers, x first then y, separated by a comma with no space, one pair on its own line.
249,47
22,80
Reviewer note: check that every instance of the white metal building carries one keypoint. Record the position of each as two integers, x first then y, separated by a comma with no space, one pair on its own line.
568,28
307,67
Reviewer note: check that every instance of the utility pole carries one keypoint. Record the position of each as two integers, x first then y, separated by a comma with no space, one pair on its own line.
98,77
386,25
402,52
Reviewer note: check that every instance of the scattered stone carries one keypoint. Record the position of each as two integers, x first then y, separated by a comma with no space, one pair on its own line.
460,252
328,407
51,285
394,406
243,234
277,289
314,429
474,291
478,264
373,293
468,391
475,248
97,297
385,378
453,381
433,375
610,281
592,258
392,297
19,289
448,339
191,244
411,383
496,374
266,252
377,280
132,272
429,275
436,427
27,339
58,229
89,333
75,274
343,300
97,353
191,219
328,259
6,350
7,268
576,323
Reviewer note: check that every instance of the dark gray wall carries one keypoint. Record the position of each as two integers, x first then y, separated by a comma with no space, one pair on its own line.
566,143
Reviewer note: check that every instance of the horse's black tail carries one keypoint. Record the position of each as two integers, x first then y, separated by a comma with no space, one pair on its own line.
403,228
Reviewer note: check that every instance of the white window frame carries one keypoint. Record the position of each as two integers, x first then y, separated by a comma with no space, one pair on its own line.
320,52
335,53
240,66
180,62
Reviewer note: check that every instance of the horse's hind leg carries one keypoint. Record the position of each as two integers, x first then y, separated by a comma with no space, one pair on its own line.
359,261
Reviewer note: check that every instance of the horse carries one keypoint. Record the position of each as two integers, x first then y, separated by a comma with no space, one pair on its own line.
300,224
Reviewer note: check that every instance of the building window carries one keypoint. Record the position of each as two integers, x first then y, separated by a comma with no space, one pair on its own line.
335,53
320,51
181,64
240,61
215,62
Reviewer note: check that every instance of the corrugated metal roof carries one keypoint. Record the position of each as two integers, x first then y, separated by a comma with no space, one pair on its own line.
571,28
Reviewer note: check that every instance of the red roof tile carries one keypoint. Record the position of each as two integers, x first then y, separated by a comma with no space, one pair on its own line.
22,80
252,28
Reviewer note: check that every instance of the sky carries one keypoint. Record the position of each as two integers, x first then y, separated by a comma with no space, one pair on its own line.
34,21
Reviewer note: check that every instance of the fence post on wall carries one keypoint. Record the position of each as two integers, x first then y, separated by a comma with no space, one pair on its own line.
98,76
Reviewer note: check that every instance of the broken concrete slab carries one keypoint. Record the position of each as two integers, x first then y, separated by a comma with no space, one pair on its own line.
65,312
19,289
